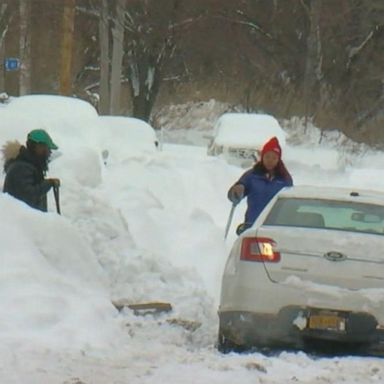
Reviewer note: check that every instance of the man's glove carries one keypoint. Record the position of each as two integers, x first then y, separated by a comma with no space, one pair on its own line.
236,193
54,182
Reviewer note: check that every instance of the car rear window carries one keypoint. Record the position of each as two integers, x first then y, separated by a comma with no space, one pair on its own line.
327,214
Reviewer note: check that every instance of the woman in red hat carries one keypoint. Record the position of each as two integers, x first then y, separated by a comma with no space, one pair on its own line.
261,183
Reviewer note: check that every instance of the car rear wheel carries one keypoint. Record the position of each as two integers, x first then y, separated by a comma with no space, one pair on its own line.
226,345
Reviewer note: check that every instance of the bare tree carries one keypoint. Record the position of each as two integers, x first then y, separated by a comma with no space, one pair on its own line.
67,47
117,56
25,47
5,19
313,59
104,92
153,30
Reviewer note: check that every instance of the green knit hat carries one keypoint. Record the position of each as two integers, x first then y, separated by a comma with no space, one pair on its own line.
42,137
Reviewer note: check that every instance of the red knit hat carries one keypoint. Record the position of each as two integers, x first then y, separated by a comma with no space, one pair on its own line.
271,146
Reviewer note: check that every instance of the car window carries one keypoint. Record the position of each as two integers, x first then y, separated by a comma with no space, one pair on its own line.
327,214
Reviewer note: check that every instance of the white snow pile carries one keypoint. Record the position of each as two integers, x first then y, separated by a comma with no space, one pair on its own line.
52,289
190,123
334,150
141,225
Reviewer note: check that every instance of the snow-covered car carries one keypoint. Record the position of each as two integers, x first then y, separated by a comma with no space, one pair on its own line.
135,136
70,121
310,270
240,136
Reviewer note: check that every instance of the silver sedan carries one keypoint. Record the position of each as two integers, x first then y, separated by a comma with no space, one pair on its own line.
310,269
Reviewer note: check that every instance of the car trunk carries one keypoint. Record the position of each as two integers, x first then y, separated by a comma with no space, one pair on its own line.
323,256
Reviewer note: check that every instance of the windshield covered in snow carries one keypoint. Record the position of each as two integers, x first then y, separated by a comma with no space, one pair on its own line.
327,214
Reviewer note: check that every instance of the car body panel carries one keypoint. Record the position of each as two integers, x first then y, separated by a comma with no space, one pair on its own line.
324,257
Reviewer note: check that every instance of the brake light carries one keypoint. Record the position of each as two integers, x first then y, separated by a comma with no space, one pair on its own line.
260,249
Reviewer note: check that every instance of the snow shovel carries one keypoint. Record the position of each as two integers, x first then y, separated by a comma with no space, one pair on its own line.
229,220
153,307
57,198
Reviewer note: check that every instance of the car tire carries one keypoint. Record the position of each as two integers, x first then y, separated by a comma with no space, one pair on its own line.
225,345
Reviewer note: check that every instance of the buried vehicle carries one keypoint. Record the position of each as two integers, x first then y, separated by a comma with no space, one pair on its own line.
136,137
309,271
238,137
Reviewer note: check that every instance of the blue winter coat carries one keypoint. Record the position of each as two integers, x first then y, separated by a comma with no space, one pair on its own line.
259,190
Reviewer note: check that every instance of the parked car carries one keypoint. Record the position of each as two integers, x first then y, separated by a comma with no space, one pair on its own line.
239,136
68,120
310,269
136,137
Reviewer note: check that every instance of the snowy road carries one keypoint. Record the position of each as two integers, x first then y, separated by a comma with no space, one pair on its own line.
154,225
175,209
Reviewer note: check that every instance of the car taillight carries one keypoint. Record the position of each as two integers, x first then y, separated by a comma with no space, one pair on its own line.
260,249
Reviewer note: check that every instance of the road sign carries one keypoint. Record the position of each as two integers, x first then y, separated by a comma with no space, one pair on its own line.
11,64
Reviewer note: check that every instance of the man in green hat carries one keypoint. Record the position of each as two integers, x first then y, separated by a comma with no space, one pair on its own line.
25,173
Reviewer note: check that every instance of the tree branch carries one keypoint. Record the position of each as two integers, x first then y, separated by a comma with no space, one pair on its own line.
247,23
354,51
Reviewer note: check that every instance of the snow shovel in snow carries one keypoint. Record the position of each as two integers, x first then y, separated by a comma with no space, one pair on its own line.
142,308
229,220
57,198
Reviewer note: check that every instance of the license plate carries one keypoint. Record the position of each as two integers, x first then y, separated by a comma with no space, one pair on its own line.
327,322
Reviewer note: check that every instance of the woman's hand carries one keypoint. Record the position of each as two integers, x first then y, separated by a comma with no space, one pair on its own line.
236,193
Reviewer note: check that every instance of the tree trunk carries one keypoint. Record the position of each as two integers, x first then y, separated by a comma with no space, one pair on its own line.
313,71
104,103
67,48
2,69
117,56
5,17
25,47
144,81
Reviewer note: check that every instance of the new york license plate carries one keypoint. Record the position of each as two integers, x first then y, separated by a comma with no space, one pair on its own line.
327,322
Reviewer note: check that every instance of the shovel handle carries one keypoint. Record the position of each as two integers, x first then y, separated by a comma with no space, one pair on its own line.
57,198
229,220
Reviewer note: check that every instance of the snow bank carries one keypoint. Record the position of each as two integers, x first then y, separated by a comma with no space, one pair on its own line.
146,225
172,210
321,157
52,290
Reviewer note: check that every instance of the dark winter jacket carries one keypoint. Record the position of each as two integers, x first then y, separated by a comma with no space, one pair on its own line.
25,180
259,189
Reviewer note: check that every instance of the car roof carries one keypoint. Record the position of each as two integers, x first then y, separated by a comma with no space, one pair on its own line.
248,117
247,130
334,193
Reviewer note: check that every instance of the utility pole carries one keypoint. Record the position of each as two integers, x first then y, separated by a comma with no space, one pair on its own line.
67,47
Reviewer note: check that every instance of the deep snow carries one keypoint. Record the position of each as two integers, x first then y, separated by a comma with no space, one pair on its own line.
147,225
247,130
